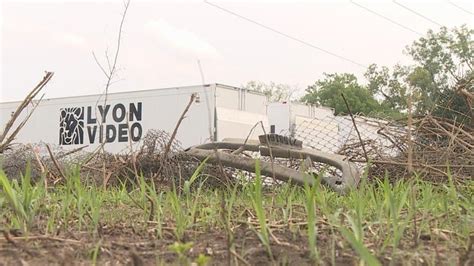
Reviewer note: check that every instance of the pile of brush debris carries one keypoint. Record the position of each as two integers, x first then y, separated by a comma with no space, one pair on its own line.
434,148
55,163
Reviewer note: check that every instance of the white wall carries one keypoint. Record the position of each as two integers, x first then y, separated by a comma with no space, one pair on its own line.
227,98
240,99
302,109
6,111
237,124
255,102
279,116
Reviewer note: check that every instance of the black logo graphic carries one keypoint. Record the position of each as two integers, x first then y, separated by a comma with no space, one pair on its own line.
71,126
110,123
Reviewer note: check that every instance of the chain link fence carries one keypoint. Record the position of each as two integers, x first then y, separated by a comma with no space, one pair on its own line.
432,147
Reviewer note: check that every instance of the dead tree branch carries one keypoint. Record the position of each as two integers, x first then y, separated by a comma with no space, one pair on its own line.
112,68
175,131
5,139
355,127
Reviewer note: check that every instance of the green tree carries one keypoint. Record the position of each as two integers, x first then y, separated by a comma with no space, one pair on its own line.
327,92
389,87
442,60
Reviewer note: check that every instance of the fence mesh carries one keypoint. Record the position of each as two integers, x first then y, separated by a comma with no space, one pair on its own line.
438,146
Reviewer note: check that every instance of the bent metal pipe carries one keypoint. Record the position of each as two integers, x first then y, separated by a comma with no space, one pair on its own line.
341,184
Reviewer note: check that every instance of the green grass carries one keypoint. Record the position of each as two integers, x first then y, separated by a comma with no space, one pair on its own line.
310,206
380,223
257,200
24,198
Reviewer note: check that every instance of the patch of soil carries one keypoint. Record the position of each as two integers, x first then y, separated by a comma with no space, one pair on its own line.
121,245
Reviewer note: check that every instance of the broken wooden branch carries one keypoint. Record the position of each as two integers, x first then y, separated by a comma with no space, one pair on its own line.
173,135
5,138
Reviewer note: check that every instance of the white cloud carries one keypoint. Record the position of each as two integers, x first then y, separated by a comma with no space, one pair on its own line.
181,39
70,39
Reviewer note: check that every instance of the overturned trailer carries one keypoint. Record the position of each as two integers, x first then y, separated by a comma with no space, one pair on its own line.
122,119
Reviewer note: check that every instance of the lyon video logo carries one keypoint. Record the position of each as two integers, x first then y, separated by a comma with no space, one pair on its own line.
109,123
71,126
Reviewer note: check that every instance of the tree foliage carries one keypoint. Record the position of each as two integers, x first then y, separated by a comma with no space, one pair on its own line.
327,92
388,86
442,60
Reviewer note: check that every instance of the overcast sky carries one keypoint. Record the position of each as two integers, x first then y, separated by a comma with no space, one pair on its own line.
162,41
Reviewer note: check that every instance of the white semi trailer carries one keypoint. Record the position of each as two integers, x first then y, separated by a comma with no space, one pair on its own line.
219,111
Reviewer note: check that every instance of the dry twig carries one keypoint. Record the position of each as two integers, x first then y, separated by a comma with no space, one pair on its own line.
5,139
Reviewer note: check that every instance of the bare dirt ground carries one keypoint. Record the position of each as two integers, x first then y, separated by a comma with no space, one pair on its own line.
124,245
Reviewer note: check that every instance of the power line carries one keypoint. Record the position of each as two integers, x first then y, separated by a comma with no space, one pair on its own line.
287,35
417,13
386,18
460,7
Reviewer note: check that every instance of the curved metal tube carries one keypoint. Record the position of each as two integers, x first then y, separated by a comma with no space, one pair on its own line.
349,179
